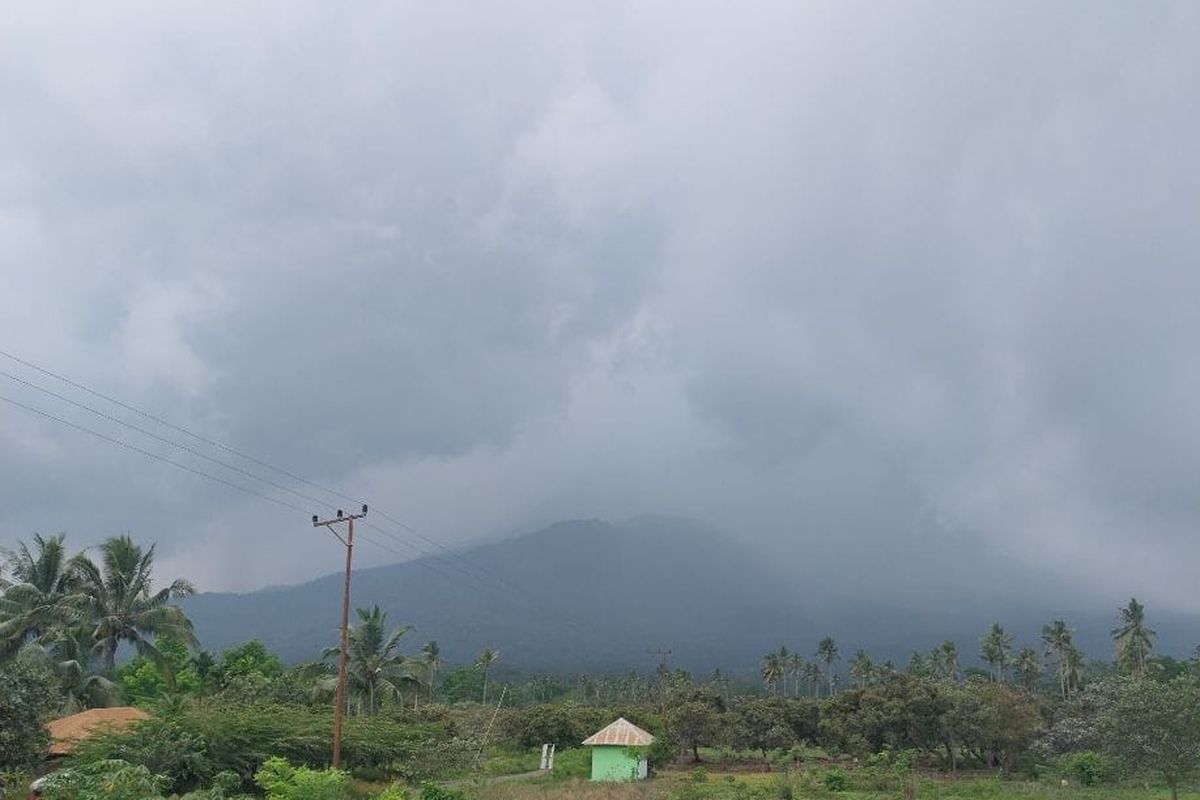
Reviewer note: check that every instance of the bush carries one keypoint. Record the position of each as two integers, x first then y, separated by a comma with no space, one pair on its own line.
103,780
224,786
161,746
434,758
241,738
564,724
281,781
393,792
26,697
434,791
13,781
699,775
1089,768
835,781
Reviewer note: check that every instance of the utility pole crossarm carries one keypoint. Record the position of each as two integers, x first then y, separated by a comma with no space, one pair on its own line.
348,542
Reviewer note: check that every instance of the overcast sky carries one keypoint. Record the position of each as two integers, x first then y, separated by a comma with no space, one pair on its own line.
841,279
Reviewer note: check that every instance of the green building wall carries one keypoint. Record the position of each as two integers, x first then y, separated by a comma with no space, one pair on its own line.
611,763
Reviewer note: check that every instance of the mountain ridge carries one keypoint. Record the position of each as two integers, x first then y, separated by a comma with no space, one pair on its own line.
596,596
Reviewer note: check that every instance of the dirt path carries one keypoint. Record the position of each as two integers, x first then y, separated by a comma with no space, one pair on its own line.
516,776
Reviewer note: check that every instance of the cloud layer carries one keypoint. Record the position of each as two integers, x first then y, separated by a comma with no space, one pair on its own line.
852,282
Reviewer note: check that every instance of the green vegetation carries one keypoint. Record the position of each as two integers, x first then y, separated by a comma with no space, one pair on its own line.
1037,722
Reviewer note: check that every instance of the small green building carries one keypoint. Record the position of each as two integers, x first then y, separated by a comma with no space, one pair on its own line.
616,752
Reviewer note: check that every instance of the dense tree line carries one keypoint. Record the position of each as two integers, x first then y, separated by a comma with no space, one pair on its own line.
64,619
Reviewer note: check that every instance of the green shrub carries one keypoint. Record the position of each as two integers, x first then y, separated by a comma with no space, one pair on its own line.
564,724
224,787
26,696
13,781
434,758
393,792
434,791
1089,768
835,781
242,737
699,775
161,746
281,781
103,780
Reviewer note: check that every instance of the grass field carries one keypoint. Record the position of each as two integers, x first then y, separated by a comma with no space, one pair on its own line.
767,787
569,782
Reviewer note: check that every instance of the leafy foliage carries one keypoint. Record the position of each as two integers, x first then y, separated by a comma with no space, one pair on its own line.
1155,727
279,780
26,696
103,780
161,746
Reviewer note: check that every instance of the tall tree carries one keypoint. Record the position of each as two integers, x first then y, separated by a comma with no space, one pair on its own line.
944,660
1134,640
1156,726
1073,668
783,654
772,670
827,651
813,675
995,647
122,605
1028,666
44,591
796,666
1058,639
485,661
862,668
433,662
374,665
920,665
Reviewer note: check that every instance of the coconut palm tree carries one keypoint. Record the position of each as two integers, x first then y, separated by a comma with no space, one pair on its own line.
795,665
374,665
995,647
43,592
1134,640
772,669
783,654
944,660
827,651
920,665
1057,638
1029,666
485,661
68,652
122,605
433,662
862,668
812,674
1073,668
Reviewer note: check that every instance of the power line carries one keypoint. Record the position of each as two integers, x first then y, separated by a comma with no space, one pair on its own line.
233,451
178,428
427,561
163,439
231,484
234,467
149,454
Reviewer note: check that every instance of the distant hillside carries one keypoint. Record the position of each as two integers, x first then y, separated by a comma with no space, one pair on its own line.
596,596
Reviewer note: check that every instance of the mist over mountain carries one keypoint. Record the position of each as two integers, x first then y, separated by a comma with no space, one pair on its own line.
589,595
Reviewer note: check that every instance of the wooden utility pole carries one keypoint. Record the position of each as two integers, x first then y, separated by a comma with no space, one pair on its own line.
339,708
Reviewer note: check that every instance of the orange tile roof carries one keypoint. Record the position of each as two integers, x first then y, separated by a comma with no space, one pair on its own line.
67,731
621,733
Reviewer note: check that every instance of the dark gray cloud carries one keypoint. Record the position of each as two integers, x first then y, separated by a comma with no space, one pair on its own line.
849,281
